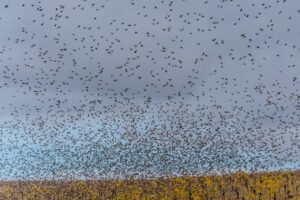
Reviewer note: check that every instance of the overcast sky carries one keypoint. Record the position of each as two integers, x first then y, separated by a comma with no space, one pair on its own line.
148,88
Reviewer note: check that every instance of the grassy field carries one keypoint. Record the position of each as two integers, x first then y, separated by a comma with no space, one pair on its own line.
269,186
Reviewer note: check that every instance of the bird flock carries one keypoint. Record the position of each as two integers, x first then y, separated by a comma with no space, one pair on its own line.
113,89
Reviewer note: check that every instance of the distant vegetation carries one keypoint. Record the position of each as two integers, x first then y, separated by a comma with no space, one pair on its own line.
271,186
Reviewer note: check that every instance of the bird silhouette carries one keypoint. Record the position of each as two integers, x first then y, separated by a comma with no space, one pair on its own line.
104,89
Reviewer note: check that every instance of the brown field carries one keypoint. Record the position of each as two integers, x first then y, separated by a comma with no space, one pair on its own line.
260,186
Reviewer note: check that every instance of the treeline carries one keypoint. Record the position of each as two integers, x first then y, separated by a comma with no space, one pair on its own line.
260,186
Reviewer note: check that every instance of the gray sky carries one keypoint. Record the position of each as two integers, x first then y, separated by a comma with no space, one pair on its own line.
113,88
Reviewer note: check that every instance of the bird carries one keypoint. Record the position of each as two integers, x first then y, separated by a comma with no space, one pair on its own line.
108,89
